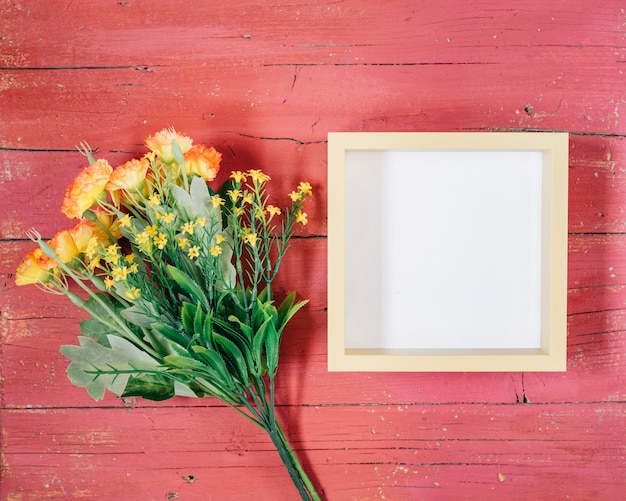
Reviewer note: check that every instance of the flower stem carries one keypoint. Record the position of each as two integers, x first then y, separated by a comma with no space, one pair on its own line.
298,475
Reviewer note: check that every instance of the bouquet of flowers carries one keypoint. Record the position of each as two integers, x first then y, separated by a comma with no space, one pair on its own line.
177,280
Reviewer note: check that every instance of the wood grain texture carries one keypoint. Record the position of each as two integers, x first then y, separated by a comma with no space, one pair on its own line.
264,82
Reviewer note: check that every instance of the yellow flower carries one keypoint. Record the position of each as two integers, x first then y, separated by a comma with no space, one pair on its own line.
238,211
301,218
112,254
161,240
166,217
193,251
87,189
143,238
215,250
202,161
161,144
134,268
216,200
250,239
219,238
234,194
258,176
130,258
259,213
125,221
183,243
247,199
109,282
94,263
188,227
36,268
201,221
273,211
119,273
151,230
132,294
238,176
295,196
128,180
154,200
305,188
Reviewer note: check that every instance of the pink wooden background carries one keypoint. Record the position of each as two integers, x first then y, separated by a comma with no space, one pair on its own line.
264,82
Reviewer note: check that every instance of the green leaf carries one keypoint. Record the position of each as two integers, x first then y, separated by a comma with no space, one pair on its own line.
234,356
142,314
150,387
187,283
215,361
271,349
98,368
97,330
188,315
171,334
183,362
286,314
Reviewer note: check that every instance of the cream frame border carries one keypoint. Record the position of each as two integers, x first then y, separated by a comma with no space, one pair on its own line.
552,355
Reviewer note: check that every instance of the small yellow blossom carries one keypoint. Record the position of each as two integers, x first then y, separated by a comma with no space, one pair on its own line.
112,253
258,176
119,273
216,200
215,250
154,200
142,238
250,239
133,294
92,247
238,176
160,240
247,199
259,213
151,230
273,210
193,251
305,188
301,218
93,263
201,221
130,258
295,196
125,221
219,238
166,217
238,211
234,194
188,227
109,282
183,243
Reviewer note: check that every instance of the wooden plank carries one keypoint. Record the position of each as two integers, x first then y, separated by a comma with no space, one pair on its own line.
353,452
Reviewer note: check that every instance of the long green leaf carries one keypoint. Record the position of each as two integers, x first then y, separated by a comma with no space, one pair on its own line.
188,284
234,356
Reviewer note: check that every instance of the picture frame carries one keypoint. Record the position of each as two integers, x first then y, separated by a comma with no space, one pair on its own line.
447,252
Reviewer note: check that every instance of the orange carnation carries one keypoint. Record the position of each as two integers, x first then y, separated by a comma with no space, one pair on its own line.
36,268
161,144
64,247
128,179
202,161
84,231
86,189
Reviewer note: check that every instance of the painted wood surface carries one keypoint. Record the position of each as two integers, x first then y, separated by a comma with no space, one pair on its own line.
264,82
